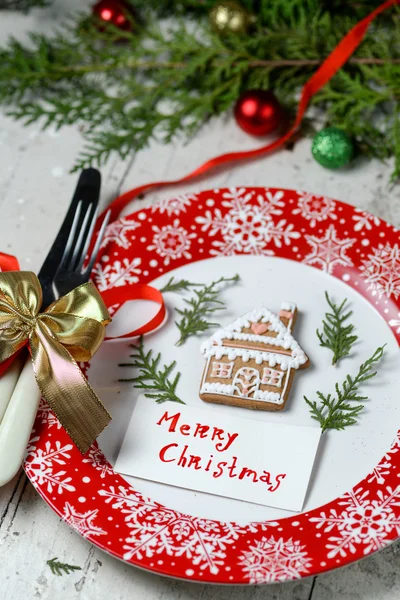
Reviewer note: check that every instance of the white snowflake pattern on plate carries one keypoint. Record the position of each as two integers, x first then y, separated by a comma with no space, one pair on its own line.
44,466
96,458
273,560
248,228
362,522
171,242
118,232
167,531
174,206
363,218
83,523
315,208
328,251
107,275
382,271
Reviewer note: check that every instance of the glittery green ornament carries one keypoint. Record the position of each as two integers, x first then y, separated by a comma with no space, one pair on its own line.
332,148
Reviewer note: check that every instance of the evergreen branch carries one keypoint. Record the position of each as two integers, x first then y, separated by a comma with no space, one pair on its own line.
57,567
166,80
201,306
152,377
178,285
335,411
335,335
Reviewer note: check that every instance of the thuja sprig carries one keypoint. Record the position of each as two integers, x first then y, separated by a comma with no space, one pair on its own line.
335,335
336,411
58,568
151,376
178,285
205,302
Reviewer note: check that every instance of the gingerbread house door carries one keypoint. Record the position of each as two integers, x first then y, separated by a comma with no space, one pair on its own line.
246,382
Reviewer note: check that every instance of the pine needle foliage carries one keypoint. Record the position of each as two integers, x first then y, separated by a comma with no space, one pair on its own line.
22,5
335,335
168,77
204,302
153,377
336,411
58,568
178,285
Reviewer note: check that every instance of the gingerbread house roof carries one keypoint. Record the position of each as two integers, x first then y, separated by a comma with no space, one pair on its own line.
279,348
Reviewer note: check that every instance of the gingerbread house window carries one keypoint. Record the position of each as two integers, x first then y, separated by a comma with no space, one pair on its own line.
222,370
272,377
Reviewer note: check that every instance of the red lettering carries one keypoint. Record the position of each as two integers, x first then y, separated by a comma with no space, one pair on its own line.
266,477
185,428
217,433
232,467
183,459
278,480
231,438
220,469
164,450
201,430
245,472
209,463
194,460
173,418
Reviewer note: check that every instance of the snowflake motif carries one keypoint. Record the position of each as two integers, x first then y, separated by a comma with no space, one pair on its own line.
117,232
42,466
364,219
379,472
171,242
165,531
363,522
82,522
395,323
273,560
248,228
315,208
328,251
96,458
117,274
46,415
382,271
174,206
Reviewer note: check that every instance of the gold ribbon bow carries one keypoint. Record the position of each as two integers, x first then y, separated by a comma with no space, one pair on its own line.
71,329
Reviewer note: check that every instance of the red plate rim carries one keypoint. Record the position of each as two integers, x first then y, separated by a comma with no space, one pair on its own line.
364,252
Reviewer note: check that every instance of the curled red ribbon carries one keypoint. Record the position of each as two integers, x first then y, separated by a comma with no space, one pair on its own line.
323,74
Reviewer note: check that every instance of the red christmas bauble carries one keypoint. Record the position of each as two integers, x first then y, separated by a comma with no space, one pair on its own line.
113,11
258,112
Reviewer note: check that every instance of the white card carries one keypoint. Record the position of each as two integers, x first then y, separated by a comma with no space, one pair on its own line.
205,450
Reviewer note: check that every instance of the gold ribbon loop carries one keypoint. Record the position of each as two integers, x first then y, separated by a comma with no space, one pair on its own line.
70,330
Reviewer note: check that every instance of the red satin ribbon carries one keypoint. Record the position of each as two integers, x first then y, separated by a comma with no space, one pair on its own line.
324,73
8,262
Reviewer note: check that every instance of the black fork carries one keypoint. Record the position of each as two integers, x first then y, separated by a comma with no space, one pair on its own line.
71,273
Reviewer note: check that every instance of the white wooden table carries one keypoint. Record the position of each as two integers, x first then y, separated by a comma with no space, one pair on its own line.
35,189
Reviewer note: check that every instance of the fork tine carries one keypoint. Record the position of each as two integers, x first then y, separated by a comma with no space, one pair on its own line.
86,237
69,244
97,245
83,237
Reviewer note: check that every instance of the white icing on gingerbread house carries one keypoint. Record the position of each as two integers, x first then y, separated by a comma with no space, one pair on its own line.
264,341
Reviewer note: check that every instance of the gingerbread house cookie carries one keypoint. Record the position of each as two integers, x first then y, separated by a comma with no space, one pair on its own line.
251,363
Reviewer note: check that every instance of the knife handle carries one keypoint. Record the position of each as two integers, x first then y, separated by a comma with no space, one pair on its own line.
16,426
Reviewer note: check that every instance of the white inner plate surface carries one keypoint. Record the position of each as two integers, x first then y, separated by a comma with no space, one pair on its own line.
344,457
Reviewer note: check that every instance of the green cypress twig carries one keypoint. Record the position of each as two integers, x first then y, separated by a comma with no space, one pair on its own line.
335,335
178,285
151,377
57,567
201,306
335,411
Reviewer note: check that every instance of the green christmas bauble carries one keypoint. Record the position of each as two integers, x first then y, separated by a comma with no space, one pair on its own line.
332,148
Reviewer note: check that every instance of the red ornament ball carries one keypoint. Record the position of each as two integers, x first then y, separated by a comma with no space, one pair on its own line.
114,12
258,112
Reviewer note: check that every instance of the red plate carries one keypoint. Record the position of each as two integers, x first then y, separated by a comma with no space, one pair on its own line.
345,242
